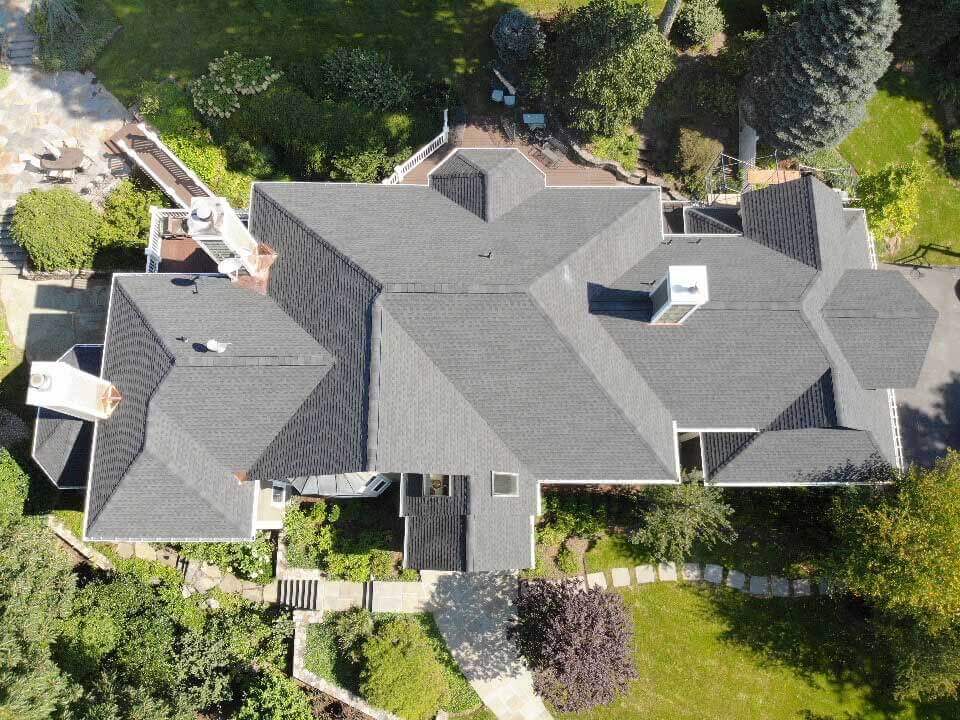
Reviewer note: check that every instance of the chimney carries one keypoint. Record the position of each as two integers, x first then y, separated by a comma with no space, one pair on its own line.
679,293
68,390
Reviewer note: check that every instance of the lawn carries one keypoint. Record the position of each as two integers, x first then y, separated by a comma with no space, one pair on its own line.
704,654
177,38
902,126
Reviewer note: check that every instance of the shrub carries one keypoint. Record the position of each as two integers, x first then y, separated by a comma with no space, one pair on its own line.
168,109
578,643
568,562
623,146
4,76
308,534
696,153
57,228
14,483
247,158
276,696
217,93
401,673
891,198
951,153
681,516
126,216
365,165
605,64
517,36
322,654
351,629
899,546
362,76
699,21
247,560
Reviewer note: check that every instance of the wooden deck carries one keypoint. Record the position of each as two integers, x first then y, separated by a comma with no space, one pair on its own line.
163,166
489,135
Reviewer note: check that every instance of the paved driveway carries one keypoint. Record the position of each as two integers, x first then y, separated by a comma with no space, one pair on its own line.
930,412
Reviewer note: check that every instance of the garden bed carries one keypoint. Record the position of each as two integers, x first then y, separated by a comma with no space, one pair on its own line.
355,539
340,653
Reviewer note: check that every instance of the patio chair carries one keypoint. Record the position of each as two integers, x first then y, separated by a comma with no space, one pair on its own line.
497,95
548,156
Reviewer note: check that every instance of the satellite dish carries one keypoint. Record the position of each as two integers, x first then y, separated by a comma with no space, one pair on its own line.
229,266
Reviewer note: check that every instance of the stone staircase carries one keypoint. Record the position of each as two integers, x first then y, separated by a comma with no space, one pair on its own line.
19,48
301,594
12,257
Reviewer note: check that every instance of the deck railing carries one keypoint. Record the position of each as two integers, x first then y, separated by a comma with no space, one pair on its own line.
895,423
400,171
158,218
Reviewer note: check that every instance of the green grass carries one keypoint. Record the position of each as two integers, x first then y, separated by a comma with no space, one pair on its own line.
177,38
902,126
612,551
714,654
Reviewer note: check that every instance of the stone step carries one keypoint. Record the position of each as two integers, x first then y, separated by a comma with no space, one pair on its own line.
20,62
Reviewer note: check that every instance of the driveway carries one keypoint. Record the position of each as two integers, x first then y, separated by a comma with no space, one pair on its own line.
47,317
930,412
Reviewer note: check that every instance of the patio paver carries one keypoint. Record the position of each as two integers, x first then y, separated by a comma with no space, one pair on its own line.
779,586
713,574
691,572
620,577
597,579
667,572
645,574
759,585
735,579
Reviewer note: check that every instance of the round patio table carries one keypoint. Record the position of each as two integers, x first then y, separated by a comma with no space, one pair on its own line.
70,159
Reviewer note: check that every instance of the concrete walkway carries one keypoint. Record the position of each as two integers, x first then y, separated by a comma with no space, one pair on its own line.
46,318
473,611
930,412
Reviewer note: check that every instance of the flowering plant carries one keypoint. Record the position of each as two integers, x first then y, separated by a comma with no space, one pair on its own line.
217,93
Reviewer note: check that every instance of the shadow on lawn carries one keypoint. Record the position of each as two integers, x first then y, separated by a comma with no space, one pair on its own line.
817,637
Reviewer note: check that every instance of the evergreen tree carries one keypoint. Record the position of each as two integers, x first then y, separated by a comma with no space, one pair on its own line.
811,79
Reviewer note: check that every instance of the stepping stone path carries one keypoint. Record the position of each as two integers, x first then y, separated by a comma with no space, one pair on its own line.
756,585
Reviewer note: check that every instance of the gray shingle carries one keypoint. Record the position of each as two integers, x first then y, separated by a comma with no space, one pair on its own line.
782,217
62,443
488,183
882,325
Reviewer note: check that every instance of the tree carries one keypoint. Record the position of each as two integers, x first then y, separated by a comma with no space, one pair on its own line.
577,641
604,64
668,16
899,546
927,27
401,673
811,79
517,36
891,198
699,21
680,516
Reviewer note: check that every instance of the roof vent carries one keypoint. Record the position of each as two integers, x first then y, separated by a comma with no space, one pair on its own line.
216,346
71,391
679,293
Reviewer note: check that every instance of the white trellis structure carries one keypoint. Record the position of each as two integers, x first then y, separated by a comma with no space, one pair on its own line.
400,171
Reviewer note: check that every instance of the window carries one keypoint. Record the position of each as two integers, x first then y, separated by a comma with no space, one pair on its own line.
279,493
506,484
380,486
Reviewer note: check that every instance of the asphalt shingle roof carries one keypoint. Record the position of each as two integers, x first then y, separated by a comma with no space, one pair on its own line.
62,442
466,329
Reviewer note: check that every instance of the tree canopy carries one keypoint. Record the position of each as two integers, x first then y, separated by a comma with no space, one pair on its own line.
577,641
605,62
811,79
899,547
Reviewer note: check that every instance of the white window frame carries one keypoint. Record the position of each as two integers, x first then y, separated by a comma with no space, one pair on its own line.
493,487
285,489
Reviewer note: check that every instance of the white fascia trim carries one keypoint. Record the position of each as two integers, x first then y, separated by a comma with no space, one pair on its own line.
794,484
705,235
533,541
895,428
96,423
403,492
676,451
406,534
638,481
715,429
703,459
170,539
